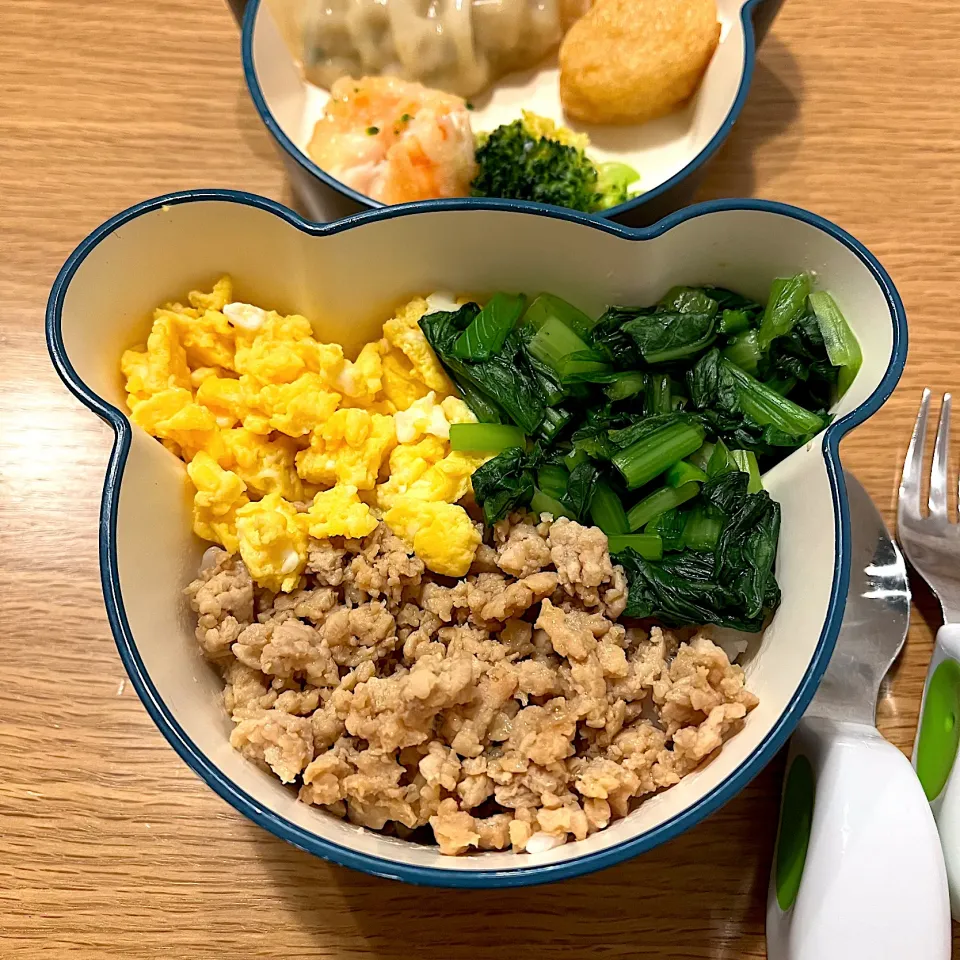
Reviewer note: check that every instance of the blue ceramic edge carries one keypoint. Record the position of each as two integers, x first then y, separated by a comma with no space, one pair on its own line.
430,876
303,161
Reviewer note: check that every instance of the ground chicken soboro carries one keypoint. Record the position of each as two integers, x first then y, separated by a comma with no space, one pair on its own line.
492,710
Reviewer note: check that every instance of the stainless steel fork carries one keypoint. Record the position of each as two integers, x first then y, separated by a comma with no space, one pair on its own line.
931,543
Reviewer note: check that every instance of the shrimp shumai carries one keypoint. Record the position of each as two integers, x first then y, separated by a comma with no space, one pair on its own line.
395,141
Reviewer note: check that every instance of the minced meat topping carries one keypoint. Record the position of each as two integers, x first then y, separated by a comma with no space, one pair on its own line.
508,709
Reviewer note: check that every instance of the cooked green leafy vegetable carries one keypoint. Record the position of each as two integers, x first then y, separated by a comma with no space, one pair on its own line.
489,328
580,486
542,502
553,478
725,576
786,303
506,378
547,306
504,483
653,423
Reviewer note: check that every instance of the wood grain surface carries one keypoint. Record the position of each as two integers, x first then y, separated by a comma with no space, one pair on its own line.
110,846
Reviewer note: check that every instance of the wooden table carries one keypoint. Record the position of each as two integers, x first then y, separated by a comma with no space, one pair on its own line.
110,847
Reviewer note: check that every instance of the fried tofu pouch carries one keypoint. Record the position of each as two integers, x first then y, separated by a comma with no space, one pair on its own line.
630,61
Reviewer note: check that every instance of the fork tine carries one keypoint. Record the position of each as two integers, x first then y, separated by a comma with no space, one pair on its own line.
913,464
941,458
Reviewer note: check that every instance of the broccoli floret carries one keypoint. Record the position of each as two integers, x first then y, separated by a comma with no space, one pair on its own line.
516,165
516,161
613,184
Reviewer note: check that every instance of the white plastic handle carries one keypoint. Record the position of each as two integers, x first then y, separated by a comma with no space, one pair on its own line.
873,884
946,803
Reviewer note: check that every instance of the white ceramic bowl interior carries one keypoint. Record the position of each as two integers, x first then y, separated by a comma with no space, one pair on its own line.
347,278
659,150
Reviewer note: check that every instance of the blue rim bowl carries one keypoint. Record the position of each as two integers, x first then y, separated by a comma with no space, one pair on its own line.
296,835
314,185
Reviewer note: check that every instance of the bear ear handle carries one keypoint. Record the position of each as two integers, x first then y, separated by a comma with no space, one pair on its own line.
858,871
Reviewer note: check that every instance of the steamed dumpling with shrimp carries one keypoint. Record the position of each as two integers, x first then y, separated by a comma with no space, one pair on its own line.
395,141
460,46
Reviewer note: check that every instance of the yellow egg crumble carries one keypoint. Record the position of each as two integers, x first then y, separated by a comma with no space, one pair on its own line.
286,439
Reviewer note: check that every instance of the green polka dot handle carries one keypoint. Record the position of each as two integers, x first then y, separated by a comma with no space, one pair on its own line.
857,871
935,750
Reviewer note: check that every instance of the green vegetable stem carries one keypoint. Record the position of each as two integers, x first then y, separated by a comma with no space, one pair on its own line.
840,343
485,437
743,350
647,458
769,408
647,545
660,501
683,472
552,479
548,307
556,345
606,510
544,503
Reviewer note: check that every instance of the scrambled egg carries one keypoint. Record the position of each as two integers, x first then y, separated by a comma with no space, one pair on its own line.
348,448
273,542
220,493
286,439
441,534
339,512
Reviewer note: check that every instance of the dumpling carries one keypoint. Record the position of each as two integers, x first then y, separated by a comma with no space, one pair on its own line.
452,45
395,141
